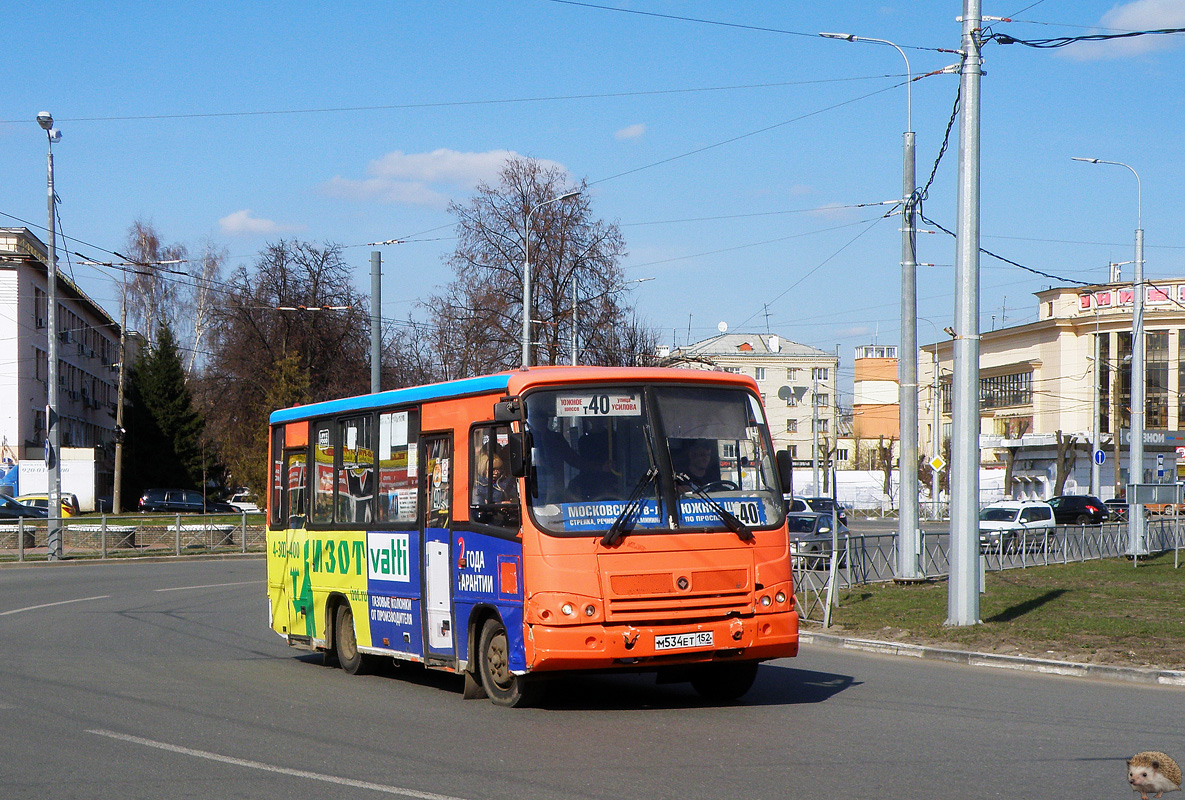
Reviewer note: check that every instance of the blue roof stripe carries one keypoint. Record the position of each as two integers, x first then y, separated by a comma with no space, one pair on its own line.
394,397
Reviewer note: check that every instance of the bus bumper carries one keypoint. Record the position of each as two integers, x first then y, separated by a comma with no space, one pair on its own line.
633,646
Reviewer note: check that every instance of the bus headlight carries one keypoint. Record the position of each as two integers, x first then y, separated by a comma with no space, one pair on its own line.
567,609
765,601
780,597
590,610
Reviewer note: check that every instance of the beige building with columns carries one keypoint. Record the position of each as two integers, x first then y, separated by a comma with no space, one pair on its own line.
1040,378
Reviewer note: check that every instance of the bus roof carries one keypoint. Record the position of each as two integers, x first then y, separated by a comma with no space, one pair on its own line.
512,383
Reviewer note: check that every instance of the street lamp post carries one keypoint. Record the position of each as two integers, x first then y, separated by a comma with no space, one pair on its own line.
908,567
527,272
53,462
1135,512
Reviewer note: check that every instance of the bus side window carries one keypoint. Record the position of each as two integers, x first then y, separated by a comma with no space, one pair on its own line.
493,493
294,494
397,467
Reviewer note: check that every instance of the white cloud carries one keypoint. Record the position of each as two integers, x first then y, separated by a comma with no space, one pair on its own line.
241,223
631,132
835,211
422,179
1140,15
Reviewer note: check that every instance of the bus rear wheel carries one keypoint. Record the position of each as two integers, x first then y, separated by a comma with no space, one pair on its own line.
493,663
724,681
345,643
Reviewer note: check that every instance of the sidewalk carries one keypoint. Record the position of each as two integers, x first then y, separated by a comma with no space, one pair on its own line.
1162,677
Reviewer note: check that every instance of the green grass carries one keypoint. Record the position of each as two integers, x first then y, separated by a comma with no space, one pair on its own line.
1104,611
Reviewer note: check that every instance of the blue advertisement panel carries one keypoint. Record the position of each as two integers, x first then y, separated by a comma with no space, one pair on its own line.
487,570
599,515
393,585
749,510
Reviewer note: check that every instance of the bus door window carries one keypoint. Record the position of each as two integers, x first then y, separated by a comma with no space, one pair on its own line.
437,482
437,493
493,493
294,488
356,481
397,465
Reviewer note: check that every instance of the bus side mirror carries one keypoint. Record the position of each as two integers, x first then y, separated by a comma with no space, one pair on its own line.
508,410
518,449
785,470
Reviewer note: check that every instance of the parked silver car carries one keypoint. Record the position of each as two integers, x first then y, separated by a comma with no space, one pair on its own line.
810,537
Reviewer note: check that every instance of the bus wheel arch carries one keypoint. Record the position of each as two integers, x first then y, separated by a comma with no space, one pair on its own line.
493,666
342,637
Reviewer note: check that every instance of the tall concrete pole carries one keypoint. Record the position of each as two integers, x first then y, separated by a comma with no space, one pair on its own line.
908,541
376,320
117,487
1135,511
815,430
963,591
1095,415
1135,459
53,449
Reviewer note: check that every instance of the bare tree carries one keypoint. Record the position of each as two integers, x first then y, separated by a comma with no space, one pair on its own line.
152,293
478,317
263,358
1066,456
204,295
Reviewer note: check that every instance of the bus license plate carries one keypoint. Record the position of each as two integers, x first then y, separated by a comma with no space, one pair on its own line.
683,641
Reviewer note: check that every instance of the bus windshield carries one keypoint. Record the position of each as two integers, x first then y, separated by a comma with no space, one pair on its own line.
650,458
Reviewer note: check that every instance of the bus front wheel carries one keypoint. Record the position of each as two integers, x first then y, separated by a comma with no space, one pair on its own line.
493,659
724,681
345,643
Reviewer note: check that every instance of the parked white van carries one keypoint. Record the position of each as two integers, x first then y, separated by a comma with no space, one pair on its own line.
1005,525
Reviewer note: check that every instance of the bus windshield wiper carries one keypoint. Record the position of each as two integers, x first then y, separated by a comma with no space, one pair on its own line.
632,506
732,523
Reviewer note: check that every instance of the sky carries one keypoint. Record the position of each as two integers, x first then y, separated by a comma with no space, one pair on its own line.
748,162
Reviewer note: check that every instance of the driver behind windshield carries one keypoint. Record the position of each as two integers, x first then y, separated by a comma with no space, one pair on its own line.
699,463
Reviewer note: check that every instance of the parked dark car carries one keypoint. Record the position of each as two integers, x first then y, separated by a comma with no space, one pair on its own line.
819,505
1079,509
11,509
184,501
810,537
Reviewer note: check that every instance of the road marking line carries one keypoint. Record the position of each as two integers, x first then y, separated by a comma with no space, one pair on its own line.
47,605
206,586
299,773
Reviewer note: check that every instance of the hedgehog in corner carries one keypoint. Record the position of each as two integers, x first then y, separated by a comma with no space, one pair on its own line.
1151,771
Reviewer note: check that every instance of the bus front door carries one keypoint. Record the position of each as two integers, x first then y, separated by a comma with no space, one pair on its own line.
437,572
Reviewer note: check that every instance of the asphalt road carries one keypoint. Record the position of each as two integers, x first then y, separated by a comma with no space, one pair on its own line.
162,680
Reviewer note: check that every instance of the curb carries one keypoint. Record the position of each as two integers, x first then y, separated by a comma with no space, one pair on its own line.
1158,677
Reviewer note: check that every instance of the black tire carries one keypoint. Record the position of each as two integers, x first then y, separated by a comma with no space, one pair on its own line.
1084,519
493,664
724,682
345,643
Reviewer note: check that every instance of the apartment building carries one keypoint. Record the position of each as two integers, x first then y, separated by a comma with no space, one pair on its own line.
797,383
88,349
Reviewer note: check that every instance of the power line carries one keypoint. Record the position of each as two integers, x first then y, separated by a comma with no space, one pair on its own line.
458,103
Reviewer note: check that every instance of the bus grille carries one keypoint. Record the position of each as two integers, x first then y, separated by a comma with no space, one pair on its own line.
657,596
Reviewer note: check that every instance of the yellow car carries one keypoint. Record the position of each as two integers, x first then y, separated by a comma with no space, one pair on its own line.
69,502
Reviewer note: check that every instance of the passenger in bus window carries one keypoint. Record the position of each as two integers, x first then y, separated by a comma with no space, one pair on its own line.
491,482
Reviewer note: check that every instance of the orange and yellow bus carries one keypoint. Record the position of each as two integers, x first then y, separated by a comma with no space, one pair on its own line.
512,526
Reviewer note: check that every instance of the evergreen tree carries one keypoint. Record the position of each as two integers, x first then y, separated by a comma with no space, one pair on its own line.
164,430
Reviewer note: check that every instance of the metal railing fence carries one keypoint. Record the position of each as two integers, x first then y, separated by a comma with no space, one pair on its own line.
104,536
872,558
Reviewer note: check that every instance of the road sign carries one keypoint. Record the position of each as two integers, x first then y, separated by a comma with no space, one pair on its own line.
1100,457
937,464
